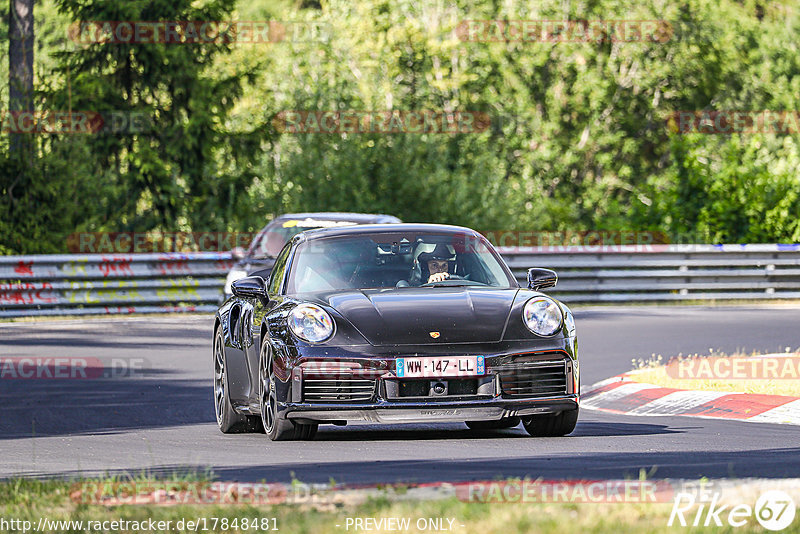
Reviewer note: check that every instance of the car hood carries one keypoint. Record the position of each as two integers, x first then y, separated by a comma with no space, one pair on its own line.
414,316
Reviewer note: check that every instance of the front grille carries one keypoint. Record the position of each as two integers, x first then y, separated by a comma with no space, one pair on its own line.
533,379
414,388
455,387
467,386
338,389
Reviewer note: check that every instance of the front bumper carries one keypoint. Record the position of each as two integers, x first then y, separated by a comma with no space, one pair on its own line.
426,412
515,385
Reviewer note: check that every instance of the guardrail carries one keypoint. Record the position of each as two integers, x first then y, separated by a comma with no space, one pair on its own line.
111,284
192,282
638,273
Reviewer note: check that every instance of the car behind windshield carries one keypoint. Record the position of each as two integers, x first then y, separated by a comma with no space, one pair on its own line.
392,260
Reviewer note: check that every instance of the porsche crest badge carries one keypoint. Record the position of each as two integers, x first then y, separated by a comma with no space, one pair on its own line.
434,335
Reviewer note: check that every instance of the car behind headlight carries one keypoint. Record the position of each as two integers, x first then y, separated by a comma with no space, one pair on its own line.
233,275
542,316
310,323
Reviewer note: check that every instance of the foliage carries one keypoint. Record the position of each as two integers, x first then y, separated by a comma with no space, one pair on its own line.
579,137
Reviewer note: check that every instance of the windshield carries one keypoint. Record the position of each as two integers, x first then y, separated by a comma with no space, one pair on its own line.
271,240
396,260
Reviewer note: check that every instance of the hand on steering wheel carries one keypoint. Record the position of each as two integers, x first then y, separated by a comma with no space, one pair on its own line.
438,277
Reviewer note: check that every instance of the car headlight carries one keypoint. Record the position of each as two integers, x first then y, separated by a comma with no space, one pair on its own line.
310,323
542,316
233,275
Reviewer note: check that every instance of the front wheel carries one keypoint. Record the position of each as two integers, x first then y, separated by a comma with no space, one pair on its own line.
276,427
551,425
228,420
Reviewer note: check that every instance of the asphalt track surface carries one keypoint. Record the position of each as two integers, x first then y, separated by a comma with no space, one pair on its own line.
163,419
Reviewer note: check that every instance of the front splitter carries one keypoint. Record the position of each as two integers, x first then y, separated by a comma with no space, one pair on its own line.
433,413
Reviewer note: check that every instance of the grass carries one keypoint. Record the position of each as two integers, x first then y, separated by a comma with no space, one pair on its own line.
655,371
27,499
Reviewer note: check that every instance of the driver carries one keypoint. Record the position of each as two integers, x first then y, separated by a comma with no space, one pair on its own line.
437,263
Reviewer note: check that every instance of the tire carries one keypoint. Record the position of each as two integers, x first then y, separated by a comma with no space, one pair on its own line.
551,425
276,427
506,422
228,421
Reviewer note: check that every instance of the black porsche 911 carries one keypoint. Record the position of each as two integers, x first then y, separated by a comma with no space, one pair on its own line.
394,323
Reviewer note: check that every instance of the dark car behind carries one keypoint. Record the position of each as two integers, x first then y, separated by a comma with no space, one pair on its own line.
260,255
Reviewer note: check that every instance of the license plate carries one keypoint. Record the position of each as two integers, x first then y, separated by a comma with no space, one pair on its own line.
440,366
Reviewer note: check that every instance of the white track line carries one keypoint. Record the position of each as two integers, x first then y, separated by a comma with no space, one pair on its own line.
602,400
598,385
677,403
788,413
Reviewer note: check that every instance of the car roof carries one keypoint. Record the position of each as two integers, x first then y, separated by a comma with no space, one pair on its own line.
340,216
320,233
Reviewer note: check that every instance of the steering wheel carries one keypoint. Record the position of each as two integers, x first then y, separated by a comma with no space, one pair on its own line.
452,277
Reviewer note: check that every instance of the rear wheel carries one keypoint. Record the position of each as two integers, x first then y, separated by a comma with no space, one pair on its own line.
275,426
228,420
506,422
551,425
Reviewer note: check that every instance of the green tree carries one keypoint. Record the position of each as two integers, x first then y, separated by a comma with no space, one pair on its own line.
177,171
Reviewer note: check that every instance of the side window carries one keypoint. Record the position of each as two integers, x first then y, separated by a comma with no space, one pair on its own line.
276,277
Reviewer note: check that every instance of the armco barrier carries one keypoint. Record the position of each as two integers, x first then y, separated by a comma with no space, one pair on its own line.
153,283
638,273
111,284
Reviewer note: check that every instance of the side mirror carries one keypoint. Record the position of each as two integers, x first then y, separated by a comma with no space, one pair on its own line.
237,253
541,278
250,287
